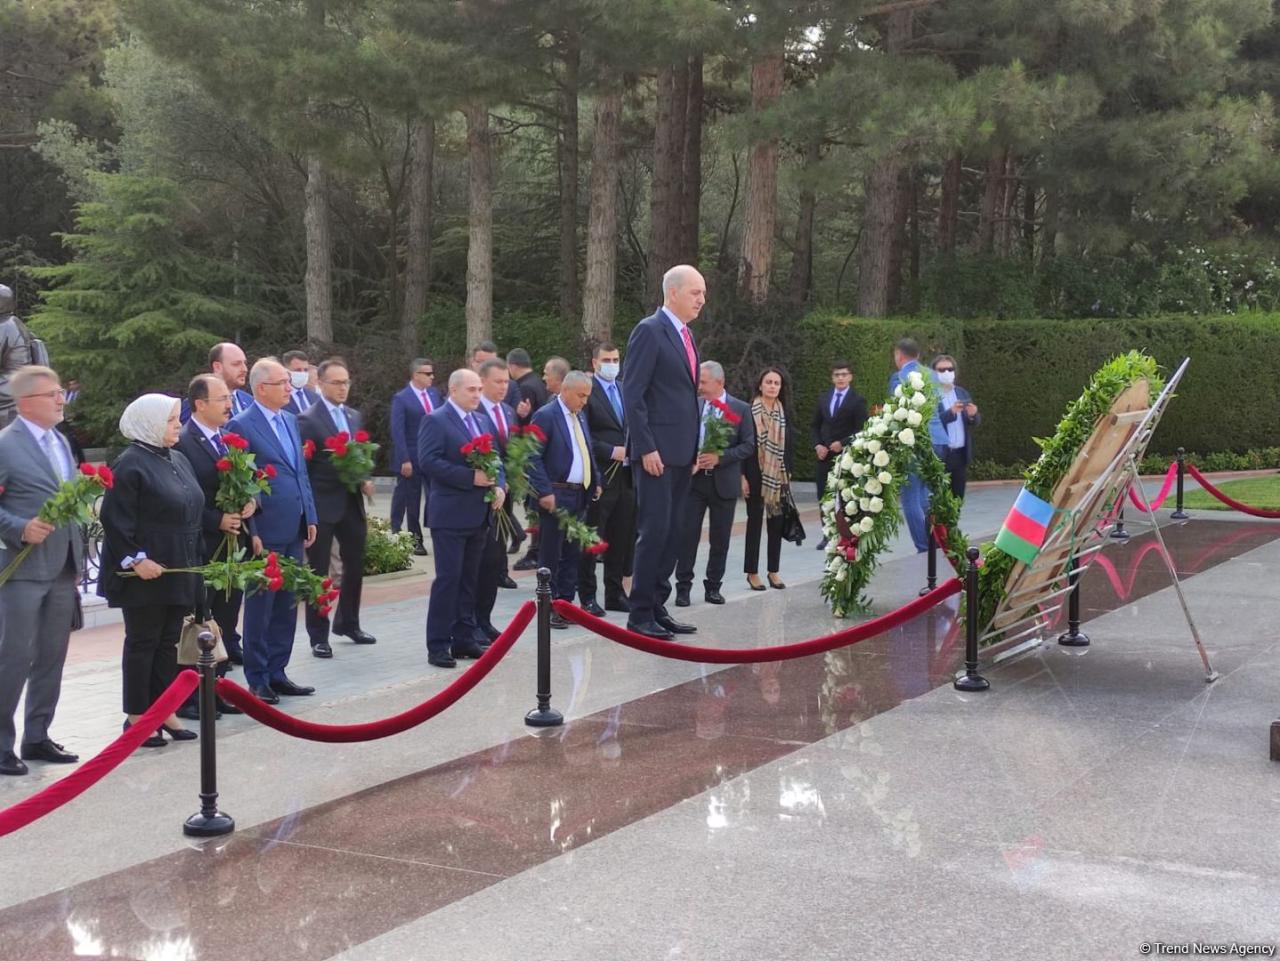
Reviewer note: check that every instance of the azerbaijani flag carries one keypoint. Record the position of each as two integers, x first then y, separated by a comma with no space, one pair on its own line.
1025,528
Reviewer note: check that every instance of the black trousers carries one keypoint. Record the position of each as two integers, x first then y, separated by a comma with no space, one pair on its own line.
756,523
659,513
820,471
351,532
614,516
704,499
555,551
493,564
957,467
408,494
150,660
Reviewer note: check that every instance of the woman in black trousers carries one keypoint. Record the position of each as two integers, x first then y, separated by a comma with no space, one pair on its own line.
151,521
766,475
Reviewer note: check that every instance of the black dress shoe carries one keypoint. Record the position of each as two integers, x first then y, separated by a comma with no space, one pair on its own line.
467,651
674,626
591,607
155,740
649,629
620,604
753,585
488,632
419,548
322,650
776,584
441,660
48,750
682,597
525,564
191,712
507,582
822,544
713,596
558,622
235,655
289,689
358,636
225,707
10,764
179,733
264,694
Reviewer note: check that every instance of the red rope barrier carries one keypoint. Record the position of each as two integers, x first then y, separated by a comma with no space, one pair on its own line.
373,730
101,764
1227,499
1169,477
781,652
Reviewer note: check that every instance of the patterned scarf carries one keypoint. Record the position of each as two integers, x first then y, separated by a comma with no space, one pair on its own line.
771,449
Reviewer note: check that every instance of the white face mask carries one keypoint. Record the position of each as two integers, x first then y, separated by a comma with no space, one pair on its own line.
609,370
298,379
946,377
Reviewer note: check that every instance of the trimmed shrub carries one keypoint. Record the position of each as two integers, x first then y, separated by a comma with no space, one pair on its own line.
385,552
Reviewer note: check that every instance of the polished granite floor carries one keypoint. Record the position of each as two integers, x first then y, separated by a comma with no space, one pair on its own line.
800,809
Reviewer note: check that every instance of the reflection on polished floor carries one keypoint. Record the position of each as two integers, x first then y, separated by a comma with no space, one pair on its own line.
801,809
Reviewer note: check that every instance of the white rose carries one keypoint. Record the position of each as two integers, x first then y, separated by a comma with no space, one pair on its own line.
850,509
876,505
898,391
884,477
873,446
914,418
879,430
866,525
908,438
842,574
858,470
882,457
918,399
859,443
874,486
846,461
864,503
915,379
901,413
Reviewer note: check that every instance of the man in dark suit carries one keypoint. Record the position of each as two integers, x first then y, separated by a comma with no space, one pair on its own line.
202,444
564,476
301,397
410,404
226,362
494,382
339,510
716,487
527,394
660,400
459,518
614,514
286,522
840,414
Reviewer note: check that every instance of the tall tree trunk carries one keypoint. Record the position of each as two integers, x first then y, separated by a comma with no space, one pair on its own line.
668,170
992,195
756,261
479,225
319,235
1049,236
1029,219
949,207
418,243
1008,227
691,201
567,149
802,248
602,220
898,244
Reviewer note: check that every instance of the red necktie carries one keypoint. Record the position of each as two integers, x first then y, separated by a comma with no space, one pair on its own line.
502,423
426,402
688,350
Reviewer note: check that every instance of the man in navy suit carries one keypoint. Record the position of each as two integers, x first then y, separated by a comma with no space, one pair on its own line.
459,518
494,381
840,414
227,362
339,510
716,487
301,396
915,496
564,476
410,404
660,401
286,522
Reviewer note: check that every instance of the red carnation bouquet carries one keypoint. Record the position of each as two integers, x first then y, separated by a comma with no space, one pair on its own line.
352,457
240,480
72,503
718,432
481,454
522,445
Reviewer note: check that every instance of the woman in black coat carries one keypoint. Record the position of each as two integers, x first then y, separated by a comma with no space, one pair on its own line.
765,475
151,521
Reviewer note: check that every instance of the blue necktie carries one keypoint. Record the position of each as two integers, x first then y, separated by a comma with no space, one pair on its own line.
615,400
219,445
471,425
340,418
285,440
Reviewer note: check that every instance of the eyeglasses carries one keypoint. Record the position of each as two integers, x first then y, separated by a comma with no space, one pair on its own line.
944,370
51,394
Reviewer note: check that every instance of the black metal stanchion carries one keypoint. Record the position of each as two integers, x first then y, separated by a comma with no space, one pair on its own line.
1119,533
931,578
971,680
1073,637
1178,513
1275,740
209,822
543,715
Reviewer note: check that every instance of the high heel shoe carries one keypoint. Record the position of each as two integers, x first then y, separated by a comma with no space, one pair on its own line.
155,740
178,733
776,585
755,585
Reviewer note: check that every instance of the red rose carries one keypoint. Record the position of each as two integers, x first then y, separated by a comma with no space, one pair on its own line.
327,583
235,440
275,584
88,470
340,450
538,433
343,437
362,437
105,477
323,610
331,442
273,560
599,547
223,465
731,417
467,448
309,449
484,443
269,470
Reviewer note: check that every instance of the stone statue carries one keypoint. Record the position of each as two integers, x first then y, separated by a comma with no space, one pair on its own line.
18,348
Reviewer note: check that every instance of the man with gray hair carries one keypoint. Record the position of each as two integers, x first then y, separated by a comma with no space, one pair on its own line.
18,348
40,603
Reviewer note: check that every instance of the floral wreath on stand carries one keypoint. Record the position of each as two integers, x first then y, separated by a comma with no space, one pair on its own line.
860,506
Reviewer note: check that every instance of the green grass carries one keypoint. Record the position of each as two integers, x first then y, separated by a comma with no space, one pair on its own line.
1261,492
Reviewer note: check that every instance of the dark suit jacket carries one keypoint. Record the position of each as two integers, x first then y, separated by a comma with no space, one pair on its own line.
751,466
552,463
728,473
456,503
607,429
530,387
660,393
292,406
406,417
289,507
201,457
333,500
945,417
848,419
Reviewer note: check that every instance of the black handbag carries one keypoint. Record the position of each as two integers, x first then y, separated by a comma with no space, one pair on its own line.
792,529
